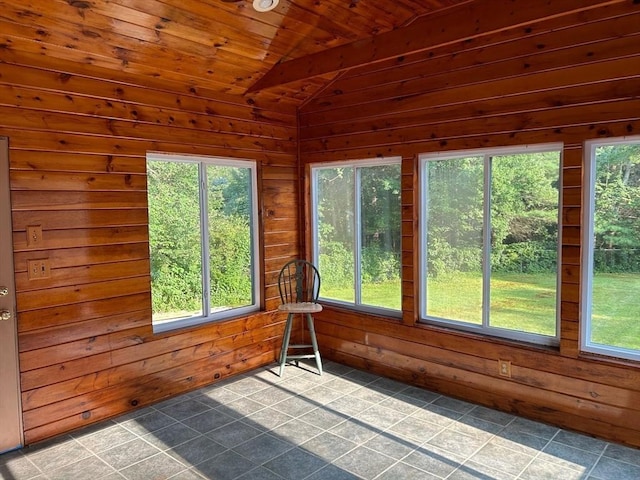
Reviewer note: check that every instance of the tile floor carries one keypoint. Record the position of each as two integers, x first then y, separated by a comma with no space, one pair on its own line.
346,424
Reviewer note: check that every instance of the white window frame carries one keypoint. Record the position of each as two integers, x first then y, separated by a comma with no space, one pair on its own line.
208,316
371,162
588,218
485,328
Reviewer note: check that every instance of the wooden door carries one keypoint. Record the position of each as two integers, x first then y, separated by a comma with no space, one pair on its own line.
10,413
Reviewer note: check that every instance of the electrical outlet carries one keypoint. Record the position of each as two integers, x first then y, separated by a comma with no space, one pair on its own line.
504,368
38,269
34,235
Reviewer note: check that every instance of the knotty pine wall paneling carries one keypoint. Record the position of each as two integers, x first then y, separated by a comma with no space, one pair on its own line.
78,138
570,79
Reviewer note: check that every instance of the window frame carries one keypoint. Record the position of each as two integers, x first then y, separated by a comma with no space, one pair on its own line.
356,164
588,222
207,316
485,328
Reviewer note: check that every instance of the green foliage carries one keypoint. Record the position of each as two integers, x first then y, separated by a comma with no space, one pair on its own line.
175,237
335,209
616,260
378,225
455,204
379,264
336,265
174,229
524,213
617,208
443,259
523,216
455,211
380,208
230,261
524,227
525,257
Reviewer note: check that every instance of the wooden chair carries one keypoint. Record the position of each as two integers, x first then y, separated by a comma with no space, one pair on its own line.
299,285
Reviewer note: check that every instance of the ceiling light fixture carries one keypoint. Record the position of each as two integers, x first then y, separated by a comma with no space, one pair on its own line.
264,5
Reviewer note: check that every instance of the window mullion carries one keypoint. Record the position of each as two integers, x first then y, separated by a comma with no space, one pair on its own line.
486,244
589,245
315,218
424,239
357,229
204,236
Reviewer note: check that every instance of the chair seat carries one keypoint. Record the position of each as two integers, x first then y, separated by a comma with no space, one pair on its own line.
301,307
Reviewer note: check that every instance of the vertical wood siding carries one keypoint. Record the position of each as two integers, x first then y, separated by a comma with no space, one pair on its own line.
77,154
574,78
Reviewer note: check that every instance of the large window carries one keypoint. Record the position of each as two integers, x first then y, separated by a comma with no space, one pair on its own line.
489,243
356,233
202,232
611,277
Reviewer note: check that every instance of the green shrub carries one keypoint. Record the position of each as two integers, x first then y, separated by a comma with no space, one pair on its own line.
525,257
336,265
379,265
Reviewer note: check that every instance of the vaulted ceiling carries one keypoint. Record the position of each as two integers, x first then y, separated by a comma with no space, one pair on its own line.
221,46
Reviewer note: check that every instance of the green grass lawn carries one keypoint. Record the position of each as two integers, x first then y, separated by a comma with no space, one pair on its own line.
525,302
616,310
386,295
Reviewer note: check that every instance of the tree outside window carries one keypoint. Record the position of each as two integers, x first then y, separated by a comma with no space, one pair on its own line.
357,222
612,255
202,237
489,245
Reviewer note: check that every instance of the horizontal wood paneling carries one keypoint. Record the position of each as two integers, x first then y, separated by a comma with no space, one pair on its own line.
118,129
61,76
80,116
77,154
60,162
69,314
53,393
148,346
569,79
136,394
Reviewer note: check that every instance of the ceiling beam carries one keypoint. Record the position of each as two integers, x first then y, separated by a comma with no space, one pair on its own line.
466,21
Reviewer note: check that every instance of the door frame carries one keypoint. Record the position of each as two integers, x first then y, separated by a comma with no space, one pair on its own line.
11,433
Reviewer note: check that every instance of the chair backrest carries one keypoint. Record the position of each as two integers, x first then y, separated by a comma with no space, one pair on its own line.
299,281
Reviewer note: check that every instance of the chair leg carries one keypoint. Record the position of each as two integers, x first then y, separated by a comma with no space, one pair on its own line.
314,342
285,343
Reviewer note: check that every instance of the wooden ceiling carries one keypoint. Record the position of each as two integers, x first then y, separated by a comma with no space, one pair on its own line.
217,46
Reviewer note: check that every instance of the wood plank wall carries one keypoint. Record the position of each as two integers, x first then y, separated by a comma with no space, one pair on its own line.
77,155
574,78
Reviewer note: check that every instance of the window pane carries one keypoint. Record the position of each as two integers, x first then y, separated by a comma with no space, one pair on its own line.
230,244
335,232
174,231
380,223
454,216
524,242
616,250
